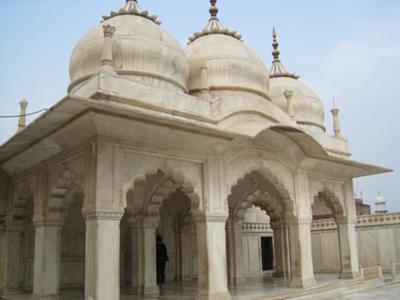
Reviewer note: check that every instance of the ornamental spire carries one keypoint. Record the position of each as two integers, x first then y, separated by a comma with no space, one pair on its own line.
214,26
131,7
23,104
336,122
278,69
213,10
275,45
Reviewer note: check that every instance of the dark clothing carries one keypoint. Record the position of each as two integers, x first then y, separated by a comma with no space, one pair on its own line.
162,258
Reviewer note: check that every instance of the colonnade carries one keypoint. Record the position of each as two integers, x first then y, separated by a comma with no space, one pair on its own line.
292,239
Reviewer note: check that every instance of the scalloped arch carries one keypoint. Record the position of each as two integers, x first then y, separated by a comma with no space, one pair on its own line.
261,188
158,185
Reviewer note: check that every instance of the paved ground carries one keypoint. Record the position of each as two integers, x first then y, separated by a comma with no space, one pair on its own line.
385,293
254,287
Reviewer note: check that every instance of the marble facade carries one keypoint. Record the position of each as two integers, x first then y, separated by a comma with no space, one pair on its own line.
154,138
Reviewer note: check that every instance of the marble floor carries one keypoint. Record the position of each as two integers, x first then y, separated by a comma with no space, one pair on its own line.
253,288
384,293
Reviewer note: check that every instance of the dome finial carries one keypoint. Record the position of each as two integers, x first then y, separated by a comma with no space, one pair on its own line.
213,10
275,45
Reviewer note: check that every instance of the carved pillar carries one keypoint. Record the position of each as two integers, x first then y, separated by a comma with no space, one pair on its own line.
144,260
301,264
102,276
348,248
12,259
47,261
211,245
280,250
235,253
2,254
302,273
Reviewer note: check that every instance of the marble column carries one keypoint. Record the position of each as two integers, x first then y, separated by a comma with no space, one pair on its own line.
47,260
102,275
302,273
211,245
280,250
235,253
348,248
12,260
144,260
2,255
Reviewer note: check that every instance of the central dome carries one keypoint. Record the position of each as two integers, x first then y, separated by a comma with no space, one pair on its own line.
142,50
229,63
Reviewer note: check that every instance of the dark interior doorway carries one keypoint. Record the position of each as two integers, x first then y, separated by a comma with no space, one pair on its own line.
267,253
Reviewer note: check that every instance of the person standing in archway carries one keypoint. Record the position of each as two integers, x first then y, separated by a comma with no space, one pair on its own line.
162,258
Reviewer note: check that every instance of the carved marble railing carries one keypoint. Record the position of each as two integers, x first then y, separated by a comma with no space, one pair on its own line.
326,224
378,219
371,273
365,220
256,227
323,224
396,269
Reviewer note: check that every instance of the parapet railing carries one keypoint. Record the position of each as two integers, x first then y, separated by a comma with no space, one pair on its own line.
370,273
326,224
256,227
362,221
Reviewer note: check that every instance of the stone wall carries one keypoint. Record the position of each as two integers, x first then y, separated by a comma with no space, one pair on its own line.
378,240
251,243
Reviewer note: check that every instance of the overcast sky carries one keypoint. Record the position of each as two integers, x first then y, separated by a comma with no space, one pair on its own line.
349,49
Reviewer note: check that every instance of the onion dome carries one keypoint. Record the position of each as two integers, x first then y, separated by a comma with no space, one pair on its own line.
220,61
142,51
308,109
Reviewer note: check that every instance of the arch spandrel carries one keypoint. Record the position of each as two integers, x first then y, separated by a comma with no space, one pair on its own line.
148,192
261,188
250,160
67,189
332,194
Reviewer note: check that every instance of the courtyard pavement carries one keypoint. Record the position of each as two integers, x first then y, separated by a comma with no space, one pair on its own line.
255,287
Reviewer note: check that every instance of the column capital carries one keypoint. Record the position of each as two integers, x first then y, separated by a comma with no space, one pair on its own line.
103,214
345,220
48,222
299,221
145,223
210,217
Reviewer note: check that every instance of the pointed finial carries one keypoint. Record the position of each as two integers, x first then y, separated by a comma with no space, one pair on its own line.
22,114
275,45
213,10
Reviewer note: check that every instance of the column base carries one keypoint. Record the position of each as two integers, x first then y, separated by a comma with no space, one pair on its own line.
299,283
148,291
280,274
349,275
237,281
216,296
46,297
11,291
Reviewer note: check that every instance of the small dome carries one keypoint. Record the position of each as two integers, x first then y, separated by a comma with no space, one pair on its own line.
308,109
141,50
228,62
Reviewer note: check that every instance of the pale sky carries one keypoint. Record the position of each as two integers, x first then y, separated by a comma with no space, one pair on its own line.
349,49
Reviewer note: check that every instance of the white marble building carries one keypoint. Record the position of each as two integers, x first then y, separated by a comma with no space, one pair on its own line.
153,137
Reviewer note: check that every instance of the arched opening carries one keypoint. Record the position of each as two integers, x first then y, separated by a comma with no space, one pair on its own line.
73,244
20,243
178,231
327,210
258,191
159,203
